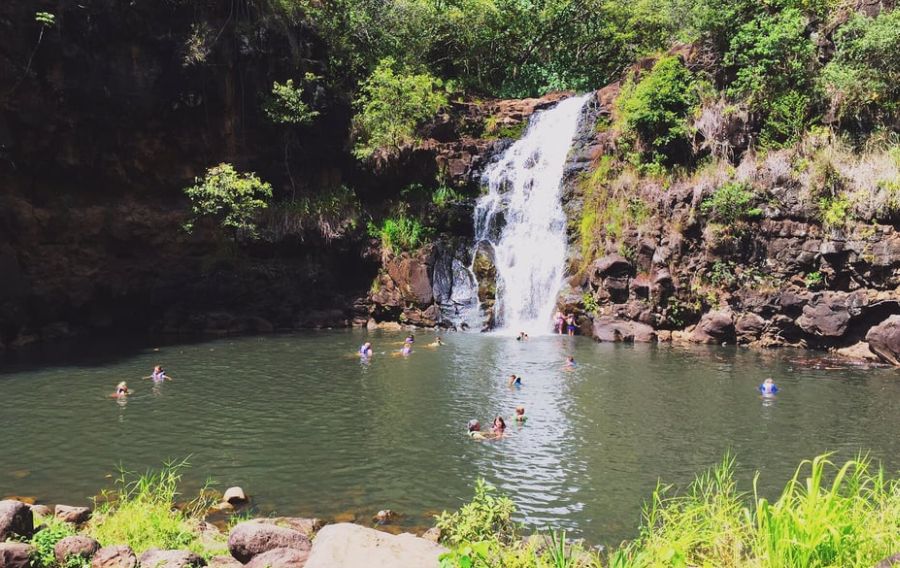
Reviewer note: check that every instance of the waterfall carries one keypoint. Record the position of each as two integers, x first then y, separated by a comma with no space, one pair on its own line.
521,221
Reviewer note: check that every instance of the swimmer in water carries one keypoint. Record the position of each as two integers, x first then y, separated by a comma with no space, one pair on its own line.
515,381
406,350
365,350
499,426
121,390
438,342
570,362
522,336
520,415
768,388
474,428
159,375
410,339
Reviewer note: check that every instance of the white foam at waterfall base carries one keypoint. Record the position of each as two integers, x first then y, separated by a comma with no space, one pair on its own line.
523,201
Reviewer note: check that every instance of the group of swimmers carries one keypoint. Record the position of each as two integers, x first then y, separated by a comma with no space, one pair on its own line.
366,351
564,323
498,428
157,376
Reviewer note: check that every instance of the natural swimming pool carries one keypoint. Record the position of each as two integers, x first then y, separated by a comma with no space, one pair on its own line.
306,428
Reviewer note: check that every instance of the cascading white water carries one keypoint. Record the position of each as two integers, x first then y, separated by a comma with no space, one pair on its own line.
522,220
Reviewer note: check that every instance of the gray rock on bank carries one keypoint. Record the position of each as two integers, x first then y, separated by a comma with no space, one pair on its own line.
75,545
16,519
884,340
346,545
234,496
715,327
120,556
15,555
74,515
252,538
607,328
280,558
157,558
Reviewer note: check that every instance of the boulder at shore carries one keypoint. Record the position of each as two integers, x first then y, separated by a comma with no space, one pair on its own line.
16,519
157,558
75,515
884,340
119,556
15,555
251,538
346,545
279,558
76,545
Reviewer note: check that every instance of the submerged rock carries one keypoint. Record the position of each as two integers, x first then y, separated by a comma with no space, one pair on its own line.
157,558
251,538
76,515
119,556
75,545
884,340
15,555
346,545
16,519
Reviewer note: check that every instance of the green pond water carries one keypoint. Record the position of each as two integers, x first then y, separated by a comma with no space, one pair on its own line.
307,429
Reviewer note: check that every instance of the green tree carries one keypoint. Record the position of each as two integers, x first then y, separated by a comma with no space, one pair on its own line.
653,110
392,103
231,198
863,78
286,105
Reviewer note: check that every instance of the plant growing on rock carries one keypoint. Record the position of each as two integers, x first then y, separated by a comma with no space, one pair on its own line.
44,543
731,203
399,234
232,198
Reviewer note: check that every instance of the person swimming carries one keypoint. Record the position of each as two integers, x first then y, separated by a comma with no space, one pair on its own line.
159,374
570,362
121,390
436,343
410,339
515,381
522,336
406,350
474,430
768,387
365,350
520,415
499,426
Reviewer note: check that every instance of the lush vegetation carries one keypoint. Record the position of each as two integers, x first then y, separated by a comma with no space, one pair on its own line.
398,234
141,512
826,516
44,543
231,198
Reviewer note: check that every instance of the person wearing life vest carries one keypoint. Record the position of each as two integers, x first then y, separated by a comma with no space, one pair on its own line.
768,387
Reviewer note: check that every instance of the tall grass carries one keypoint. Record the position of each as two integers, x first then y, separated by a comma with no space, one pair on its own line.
144,512
826,517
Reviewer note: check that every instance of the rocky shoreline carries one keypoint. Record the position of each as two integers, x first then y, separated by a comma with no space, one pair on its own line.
268,542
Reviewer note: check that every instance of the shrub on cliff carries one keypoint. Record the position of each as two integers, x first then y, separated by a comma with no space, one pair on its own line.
731,203
392,103
232,198
652,111
398,234
863,78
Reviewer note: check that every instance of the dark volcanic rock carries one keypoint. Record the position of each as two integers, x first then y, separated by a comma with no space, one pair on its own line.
251,538
76,545
715,327
280,558
615,330
884,340
749,327
829,313
15,555
120,556
16,519
156,558
69,514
